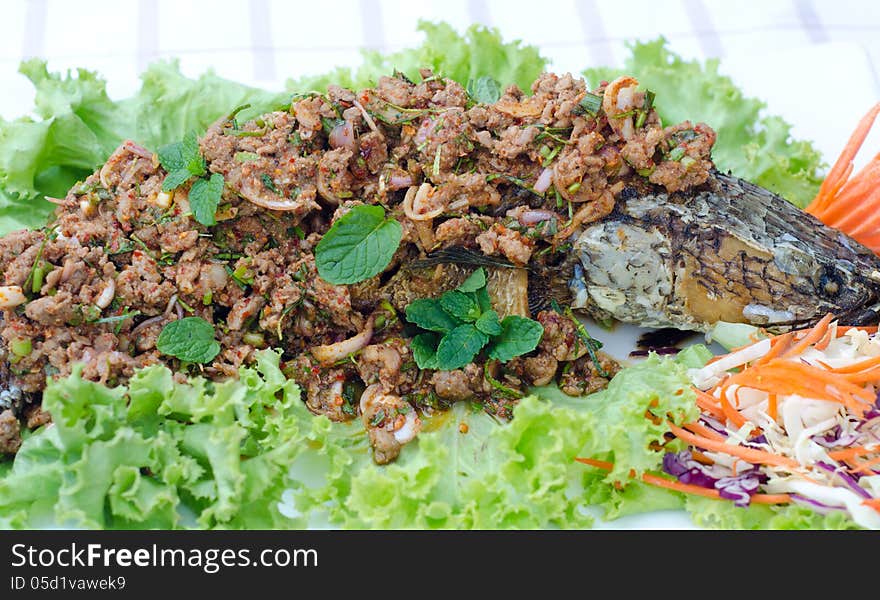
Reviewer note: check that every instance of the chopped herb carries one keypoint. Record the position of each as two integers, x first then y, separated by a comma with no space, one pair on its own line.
378,418
185,306
507,391
231,274
244,133
574,187
270,185
590,104
591,343
675,154
246,156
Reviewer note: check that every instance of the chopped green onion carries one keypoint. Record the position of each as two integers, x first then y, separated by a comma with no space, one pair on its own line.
20,347
507,391
591,104
687,161
254,338
243,133
591,343
246,156
270,185
645,172
574,187
676,153
39,272
378,418
208,298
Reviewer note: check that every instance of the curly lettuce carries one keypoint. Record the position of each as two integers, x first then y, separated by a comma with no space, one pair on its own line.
160,454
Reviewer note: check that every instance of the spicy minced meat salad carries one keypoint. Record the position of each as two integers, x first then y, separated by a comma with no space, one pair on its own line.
453,211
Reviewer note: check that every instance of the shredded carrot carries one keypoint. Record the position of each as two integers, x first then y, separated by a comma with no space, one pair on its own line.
813,335
701,458
851,203
874,503
859,366
772,406
781,381
790,377
864,376
688,488
751,455
866,466
708,403
704,431
778,345
830,334
850,453
841,329
729,411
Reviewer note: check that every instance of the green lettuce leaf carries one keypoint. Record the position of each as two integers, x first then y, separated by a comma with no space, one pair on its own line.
479,52
78,126
160,454
755,147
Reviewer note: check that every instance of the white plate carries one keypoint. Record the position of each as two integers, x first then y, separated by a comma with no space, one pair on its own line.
823,90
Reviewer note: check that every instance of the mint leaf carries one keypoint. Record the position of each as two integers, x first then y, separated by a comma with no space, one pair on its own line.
476,281
518,336
488,323
190,339
459,347
424,349
358,246
483,299
182,160
175,179
204,197
428,314
485,89
461,306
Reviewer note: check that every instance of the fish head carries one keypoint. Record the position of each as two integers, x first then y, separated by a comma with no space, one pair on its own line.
692,261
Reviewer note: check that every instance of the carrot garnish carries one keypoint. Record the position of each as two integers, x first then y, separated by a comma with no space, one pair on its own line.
772,406
859,366
687,488
709,403
729,411
704,431
851,453
851,203
866,466
778,345
813,335
751,455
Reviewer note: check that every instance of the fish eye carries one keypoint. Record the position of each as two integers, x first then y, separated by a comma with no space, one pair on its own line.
829,283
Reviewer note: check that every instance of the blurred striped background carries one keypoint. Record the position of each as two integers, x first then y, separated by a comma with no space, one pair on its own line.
263,42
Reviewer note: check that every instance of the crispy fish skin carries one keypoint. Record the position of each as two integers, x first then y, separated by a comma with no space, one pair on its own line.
730,251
